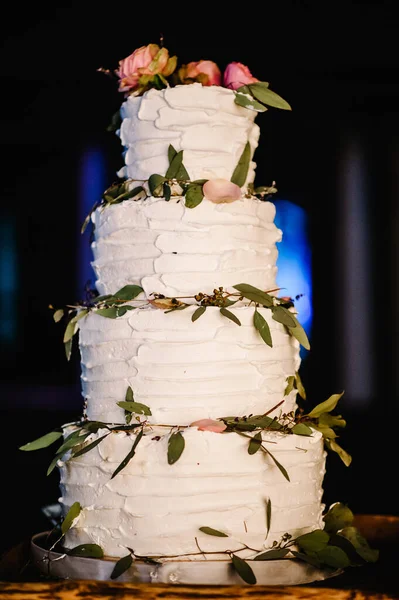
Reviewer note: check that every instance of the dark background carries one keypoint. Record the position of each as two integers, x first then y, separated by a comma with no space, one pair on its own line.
339,69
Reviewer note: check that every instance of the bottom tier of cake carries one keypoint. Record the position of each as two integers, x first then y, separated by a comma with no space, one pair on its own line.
157,509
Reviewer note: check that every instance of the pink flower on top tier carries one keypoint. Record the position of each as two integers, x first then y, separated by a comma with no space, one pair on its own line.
204,71
236,75
148,61
209,425
221,191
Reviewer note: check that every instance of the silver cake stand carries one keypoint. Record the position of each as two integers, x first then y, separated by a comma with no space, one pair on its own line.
184,572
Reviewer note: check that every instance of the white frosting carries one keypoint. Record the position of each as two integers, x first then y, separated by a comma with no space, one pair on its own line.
204,122
157,509
173,250
182,370
187,371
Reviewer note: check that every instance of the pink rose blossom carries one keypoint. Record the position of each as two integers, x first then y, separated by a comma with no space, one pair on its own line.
236,75
209,425
221,191
207,68
148,60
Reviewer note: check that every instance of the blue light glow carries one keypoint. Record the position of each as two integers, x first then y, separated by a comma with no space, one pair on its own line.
91,188
8,280
294,275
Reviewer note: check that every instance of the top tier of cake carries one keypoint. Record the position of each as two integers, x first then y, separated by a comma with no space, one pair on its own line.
203,121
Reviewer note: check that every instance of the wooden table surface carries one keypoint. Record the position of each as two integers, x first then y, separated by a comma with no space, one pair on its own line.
373,581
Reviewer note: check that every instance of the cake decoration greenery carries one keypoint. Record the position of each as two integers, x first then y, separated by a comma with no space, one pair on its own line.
117,305
337,546
176,182
251,427
151,67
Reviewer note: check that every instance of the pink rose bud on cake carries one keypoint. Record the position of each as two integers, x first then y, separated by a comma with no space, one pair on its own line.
208,68
209,425
147,60
221,190
236,75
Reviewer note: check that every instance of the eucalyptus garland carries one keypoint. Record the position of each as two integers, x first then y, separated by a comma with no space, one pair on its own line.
117,305
337,546
176,182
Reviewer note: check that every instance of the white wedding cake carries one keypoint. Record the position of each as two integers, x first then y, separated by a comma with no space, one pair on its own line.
190,447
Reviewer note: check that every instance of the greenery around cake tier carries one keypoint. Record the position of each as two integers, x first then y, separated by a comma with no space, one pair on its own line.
113,306
320,548
176,182
335,547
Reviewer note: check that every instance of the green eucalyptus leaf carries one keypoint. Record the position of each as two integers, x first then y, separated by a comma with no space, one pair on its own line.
176,445
111,312
71,515
128,292
344,456
254,294
171,153
130,454
167,192
212,531
197,313
229,315
86,448
255,443
311,559
70,330
264,94
155,183
276,462
299,333
240,173
327,432
299,386
333,556
301,429
337,517
94,426
54,462
176,169
283,315
58,314
290,385
272,554
68,348
250,103
122,566
87,550
243,569
129,395
263,421
135,407
328,420
314,541
74,439
42,442
262,326
268,515
326,406
193,196
359,543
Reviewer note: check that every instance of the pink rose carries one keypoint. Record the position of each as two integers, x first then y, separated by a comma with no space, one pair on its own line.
221,191
209,425
145,61
205,71
236,75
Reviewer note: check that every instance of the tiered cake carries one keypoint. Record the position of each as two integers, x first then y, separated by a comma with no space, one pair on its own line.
191,446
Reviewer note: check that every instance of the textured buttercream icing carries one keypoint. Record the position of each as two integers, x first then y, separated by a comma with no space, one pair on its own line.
204,122
186,371
182,370
157,509
173,250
